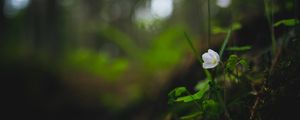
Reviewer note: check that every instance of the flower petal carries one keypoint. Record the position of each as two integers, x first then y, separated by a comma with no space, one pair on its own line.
207,57
214,54
208,65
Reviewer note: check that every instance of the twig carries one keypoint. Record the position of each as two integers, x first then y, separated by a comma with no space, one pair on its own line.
253,109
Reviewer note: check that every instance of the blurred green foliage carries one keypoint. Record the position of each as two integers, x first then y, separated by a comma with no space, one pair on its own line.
96,63
287,22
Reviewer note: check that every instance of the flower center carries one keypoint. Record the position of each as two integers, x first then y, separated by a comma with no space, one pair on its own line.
214,61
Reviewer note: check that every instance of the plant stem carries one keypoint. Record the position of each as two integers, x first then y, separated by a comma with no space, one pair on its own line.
272,29
209,24
225,42
270,18
295,9
193,48
224,106
296,27
218,95
237,72
223,101
224,86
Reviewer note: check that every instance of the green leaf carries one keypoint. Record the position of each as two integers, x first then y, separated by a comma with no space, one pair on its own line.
212,109
287,22
175,93
236,26
239,48
209,104
188,98
217,30
231,62
244,63
202,90
197,96
201,84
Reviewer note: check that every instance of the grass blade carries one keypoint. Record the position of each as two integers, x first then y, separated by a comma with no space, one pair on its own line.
225,42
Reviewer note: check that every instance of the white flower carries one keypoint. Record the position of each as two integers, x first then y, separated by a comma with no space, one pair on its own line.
211,59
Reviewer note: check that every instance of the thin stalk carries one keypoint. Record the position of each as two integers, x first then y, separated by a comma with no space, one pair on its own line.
231,21
296,27
199,60
225,42
270,18
223,101
295,9
224,106
224,86
207,73
237,72
193,48
209,24
274,45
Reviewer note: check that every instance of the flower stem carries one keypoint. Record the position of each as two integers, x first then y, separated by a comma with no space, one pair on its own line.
209,24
